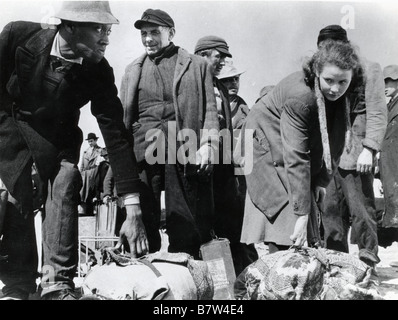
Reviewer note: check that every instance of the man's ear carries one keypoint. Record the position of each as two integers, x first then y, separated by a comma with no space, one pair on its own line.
172,33
69,27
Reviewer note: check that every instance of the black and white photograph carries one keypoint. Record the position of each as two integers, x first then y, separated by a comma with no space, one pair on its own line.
263,168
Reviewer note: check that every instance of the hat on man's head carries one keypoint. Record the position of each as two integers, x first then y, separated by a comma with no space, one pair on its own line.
334,32
213,42
391,71
155,16
87,11
91,136
229,71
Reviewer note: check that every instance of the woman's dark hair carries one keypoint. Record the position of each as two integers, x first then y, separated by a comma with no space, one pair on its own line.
342,54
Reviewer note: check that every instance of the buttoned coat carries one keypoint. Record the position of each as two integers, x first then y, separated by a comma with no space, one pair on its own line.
389,167
39,109
194,107
287,159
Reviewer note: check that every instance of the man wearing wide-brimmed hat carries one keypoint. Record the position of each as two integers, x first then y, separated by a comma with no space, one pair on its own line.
169,88
46,76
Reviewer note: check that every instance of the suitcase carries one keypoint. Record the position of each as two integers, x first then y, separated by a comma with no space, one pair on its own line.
217,254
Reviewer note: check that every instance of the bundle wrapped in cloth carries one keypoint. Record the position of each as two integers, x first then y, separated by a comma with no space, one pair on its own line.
156,276
306,274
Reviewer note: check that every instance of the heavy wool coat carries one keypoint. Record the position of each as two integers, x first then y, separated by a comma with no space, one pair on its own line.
39,109
368,116
389,167
194,107
287,160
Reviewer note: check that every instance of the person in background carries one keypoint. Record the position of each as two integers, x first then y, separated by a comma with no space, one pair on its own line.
47,75
350,200
389,156
228,201
167,88
88,170
299,132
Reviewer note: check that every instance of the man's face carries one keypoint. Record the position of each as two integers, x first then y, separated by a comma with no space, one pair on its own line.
92,142
216,61
232,84
391,87
155,38
89,40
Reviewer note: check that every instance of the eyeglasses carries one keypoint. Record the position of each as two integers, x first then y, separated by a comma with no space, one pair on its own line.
103,30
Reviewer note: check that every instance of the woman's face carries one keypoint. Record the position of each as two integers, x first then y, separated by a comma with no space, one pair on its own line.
334,81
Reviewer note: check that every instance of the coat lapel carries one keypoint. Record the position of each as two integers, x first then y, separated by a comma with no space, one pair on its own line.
392,110
183,61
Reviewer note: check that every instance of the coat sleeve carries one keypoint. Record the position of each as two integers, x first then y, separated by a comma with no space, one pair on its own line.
5,63
376,108
107,108
108,183
211,115
295,125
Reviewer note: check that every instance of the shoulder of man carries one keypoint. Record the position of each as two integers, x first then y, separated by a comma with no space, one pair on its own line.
372,69
21,30
137,63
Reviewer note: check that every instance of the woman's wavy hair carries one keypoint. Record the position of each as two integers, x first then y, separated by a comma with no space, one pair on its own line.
342,54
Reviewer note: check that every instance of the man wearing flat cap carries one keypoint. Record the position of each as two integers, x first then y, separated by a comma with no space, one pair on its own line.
229,207
46,76
389,152
167,90
349,197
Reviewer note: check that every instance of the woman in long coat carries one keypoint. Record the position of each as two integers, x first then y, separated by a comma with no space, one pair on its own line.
299,132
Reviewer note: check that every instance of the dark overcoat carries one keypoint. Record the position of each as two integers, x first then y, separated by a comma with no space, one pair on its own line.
287,159
389,167
40,109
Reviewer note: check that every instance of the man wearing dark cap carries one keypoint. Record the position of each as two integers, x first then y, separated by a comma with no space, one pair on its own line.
167,90
88,170
229,206
349,198
389,156
46,76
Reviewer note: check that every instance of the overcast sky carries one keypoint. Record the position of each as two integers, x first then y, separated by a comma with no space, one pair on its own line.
268,39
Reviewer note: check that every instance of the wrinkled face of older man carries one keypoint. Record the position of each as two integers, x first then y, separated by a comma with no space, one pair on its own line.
89,40
217,61
155,38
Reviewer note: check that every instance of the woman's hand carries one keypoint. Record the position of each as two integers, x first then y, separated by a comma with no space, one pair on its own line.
299,236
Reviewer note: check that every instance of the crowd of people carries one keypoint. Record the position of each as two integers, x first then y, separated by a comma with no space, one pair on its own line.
179,126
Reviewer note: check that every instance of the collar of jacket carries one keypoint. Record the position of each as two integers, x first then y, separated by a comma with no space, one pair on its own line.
167,52
133,72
